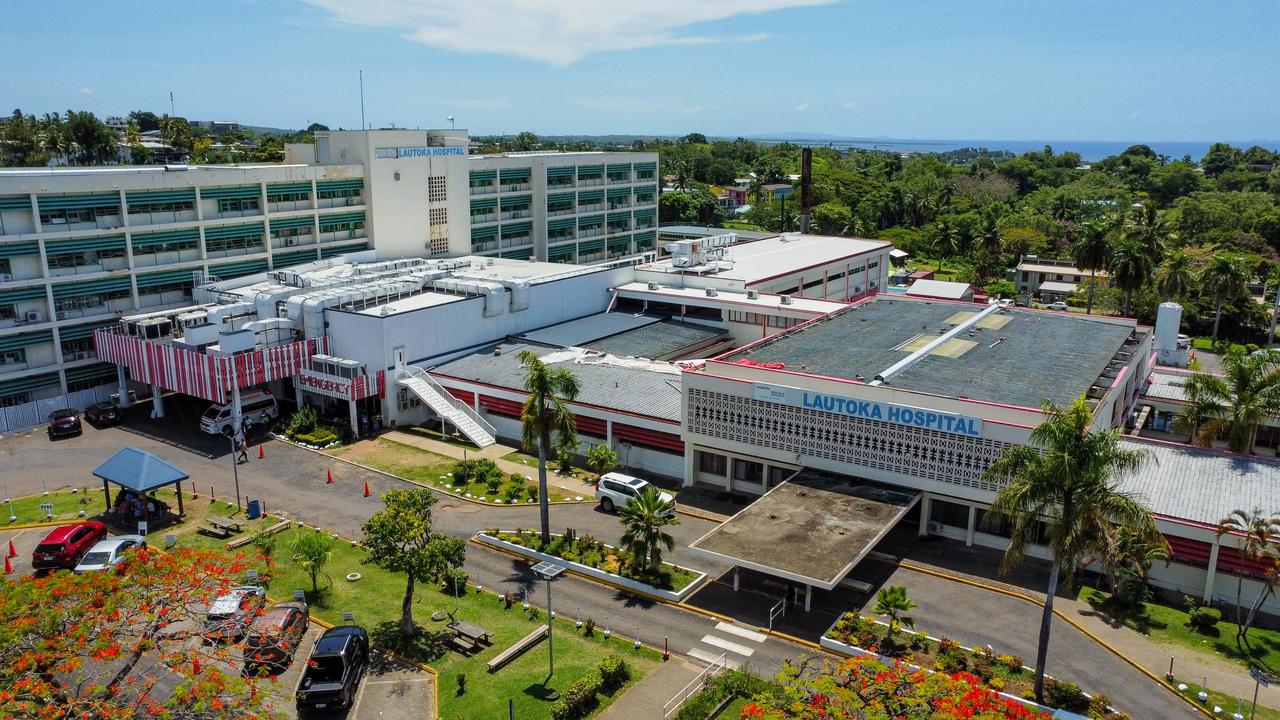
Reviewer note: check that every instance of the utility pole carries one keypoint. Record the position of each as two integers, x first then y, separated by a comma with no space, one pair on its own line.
362,123
1275,310
171,112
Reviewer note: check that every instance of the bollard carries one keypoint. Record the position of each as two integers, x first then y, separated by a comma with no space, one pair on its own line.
666,649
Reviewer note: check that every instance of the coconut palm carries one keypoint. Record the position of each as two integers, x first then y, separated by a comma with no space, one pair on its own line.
1231,405
1174,277
946,241
1148,230
1223,279
311,552
892,602
642,520
1064,485
1131,268
1091,250
989,238
1254,530
1129,558
546,412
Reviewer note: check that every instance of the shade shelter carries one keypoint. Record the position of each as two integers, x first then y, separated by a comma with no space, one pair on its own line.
140,472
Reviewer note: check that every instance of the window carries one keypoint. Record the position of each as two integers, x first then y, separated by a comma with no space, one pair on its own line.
13,357
386,153
436,189
242,242
77,215
171,246
140,208
711,463
73,348
302,196
71,260
330,194
183,286
748,472
1026,276
226,205
15,399
949,513
814,284
8,312
439,216
291,232
873,264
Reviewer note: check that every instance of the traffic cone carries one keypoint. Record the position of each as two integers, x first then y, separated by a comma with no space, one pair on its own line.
8,567
328,477
12,551
195,666
261,453
366,488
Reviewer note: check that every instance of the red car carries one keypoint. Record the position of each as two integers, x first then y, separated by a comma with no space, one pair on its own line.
62,548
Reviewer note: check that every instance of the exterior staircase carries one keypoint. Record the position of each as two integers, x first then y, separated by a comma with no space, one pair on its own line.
433,394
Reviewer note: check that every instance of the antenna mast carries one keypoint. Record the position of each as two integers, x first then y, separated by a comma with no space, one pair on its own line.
363,126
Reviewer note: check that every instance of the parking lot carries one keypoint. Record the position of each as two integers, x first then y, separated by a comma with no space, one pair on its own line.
390,690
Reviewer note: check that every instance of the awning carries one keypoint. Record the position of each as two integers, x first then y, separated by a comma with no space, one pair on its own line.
138,470
812,529
1057,288
897,254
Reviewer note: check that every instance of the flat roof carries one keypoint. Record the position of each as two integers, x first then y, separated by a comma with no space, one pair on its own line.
1055,286
580,332
698,296
703,231
659,340
1016,356
639,387
1202,486
812,529
759,260
940,289
1168,386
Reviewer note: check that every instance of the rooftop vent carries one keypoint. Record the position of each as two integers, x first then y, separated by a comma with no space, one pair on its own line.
711,292
786,299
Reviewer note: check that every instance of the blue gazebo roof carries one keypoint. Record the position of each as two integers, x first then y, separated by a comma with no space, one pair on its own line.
138,470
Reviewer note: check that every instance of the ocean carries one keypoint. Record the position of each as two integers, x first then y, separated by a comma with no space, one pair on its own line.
1090,150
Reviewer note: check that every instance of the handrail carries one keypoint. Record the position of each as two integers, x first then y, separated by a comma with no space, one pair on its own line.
694,685
417,372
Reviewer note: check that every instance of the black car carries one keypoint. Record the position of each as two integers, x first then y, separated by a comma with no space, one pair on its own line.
332,673
64,422
103,413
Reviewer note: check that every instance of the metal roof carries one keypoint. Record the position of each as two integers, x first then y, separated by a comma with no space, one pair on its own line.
637,387
1204,486
580,332
940,289
1168,386
1055,286
658,340
138,470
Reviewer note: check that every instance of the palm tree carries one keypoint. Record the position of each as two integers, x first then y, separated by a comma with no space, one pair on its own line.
1255,531
311,552
1149,230
1174,277
1129,558
946,241
546,412
642,520
1064,485
1131,268
1223,279
989,238
1233,404
892,602
1091,251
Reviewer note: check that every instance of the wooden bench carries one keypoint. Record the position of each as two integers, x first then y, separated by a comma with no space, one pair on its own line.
462,645
523,644
214,531
246,539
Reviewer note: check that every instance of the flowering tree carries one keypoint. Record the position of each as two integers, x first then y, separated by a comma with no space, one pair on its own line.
866,688
123,644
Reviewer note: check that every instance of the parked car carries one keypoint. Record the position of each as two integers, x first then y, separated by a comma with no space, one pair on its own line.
615,490
273,637
103,413
332,673
65,545
64,422
109,553
230,614
1057,306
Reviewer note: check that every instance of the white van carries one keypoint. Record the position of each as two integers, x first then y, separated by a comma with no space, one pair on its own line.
256,407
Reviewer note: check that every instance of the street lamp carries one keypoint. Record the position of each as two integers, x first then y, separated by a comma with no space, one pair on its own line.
549,571
235,467
451,122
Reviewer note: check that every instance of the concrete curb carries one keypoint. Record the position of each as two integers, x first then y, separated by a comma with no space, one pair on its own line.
1058,613
701,514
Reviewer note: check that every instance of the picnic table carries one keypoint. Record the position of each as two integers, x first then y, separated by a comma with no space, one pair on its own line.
227,524
471,631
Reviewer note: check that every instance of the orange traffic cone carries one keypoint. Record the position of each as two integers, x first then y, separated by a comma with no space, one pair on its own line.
261,453
366,488
8,566
328,477
195,666
12,552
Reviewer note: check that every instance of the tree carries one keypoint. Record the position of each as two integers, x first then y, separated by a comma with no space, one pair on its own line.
1131,268
1149,230
946,241
566,449
1231,405
1255,530
1223,280
1091,251
92,140
547,411
314,127
865,687
892,602
601,459
124,644
526,141
642,520
1063,485
1174,277
1128,559
399,538
311,552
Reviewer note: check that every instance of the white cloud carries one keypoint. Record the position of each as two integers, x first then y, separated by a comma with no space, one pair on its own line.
557,32
802,107
86,90
848,104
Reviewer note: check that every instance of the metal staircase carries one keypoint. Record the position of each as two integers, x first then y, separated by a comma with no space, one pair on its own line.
433,394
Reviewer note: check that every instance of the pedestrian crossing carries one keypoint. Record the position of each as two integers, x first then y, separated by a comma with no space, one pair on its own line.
734,642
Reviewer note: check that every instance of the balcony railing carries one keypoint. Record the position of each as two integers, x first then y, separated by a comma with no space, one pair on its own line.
483,190
515,187
588,182
560,212
484,218
517,214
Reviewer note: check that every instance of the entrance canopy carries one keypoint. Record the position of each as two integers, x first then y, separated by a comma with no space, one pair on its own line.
139,471
812,529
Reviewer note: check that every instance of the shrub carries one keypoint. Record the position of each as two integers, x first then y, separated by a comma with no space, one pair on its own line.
462,683
512,493
531,491
578,699
320,436
516,478
455,581
506,600
589,628
1098,705
1205,619
301,422
1012,663
1065,695
614,673
534,612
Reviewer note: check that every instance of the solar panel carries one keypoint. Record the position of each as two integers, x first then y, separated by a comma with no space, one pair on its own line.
548,570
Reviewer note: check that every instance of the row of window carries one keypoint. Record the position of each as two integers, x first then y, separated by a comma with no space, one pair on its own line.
750,318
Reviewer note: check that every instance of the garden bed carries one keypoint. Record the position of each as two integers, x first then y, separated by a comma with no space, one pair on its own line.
852,634
585,555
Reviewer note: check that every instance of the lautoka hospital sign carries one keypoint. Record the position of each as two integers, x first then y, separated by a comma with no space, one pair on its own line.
870,410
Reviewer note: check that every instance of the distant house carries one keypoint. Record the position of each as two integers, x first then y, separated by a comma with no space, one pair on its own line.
732,198
1050,278
941,290
778,191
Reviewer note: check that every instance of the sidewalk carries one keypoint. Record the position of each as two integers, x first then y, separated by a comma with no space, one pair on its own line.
646,698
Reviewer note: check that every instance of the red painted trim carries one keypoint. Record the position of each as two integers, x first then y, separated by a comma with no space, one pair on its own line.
1119,377
463,395
674,298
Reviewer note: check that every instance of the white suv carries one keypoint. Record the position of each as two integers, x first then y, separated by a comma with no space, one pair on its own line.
616,490
1060,306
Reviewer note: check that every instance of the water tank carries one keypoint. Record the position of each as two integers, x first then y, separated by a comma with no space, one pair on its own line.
1169,350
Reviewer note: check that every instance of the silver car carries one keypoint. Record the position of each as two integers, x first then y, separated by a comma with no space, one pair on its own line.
108,553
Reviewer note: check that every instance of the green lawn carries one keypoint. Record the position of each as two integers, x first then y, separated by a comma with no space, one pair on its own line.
1226,702
579,473
733,710
590,551
1169,625
66,505
1204,343
376,597
434,434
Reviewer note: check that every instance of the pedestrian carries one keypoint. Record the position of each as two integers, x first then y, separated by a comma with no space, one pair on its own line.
242,446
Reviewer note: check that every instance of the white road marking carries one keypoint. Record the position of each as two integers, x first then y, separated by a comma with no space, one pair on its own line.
732,647
394,682
741,632
710,657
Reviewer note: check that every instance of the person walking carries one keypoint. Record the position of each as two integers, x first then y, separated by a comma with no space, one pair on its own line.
243,446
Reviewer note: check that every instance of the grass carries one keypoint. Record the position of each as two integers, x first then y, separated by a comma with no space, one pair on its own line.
1168,625
733,710
578,473
1206,344
376,597
1226,702
593,553
431,434
66,505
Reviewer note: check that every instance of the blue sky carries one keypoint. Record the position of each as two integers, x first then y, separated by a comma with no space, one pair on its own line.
997,69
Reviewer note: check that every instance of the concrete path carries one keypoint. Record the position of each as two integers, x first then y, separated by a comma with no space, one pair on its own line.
646,698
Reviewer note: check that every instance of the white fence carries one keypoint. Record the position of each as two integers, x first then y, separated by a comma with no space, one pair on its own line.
694,686
28,415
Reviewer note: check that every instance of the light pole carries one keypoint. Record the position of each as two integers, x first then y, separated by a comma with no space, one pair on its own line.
235,468
549,571
451,127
